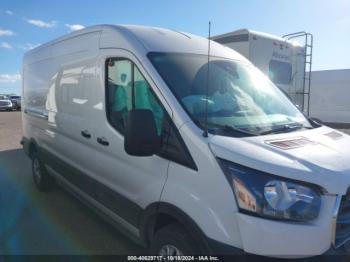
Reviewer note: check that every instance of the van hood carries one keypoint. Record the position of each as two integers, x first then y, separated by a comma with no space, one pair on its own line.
319,156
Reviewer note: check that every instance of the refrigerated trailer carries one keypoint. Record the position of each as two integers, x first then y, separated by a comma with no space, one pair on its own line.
286,61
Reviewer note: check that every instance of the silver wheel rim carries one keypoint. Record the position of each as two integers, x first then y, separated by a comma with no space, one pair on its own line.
170,250
36,170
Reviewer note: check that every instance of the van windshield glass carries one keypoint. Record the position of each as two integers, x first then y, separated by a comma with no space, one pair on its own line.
240,97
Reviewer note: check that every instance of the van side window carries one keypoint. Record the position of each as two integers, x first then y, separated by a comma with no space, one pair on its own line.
128,89
119,76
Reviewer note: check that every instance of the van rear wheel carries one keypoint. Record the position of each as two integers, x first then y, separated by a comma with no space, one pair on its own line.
42,180
172,240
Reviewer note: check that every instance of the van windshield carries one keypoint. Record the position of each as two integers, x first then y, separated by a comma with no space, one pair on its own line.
240,97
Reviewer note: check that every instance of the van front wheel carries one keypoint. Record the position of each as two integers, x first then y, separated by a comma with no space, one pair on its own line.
172,240
42,180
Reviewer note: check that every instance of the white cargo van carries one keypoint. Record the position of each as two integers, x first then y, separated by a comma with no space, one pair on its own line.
183,156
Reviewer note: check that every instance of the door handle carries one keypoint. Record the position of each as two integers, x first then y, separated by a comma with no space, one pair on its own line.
103,141
85,134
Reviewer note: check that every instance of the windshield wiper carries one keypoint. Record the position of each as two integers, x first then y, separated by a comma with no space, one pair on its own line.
227,128
287,128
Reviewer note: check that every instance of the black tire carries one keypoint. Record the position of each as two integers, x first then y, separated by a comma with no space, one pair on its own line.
173,236
42,180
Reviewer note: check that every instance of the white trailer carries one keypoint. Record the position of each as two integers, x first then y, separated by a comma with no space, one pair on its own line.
286,62
330,96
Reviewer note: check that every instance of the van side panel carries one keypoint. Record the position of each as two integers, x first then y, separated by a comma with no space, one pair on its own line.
63,86
71,95
41,69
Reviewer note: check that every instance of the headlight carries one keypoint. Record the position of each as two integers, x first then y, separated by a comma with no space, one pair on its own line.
270,196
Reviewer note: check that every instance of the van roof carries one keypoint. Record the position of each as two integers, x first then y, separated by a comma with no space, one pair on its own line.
139,40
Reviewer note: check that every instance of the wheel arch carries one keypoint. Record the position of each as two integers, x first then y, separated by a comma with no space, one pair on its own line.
29,146
33,146
158,215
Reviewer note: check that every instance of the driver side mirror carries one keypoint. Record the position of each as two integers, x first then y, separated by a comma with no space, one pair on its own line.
141,138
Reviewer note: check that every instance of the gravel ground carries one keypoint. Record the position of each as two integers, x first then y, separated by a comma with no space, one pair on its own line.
10,130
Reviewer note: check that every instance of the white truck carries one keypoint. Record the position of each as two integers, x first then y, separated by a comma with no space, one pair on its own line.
5,103
286,61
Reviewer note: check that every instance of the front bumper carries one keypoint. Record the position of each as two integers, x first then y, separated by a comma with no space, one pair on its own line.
7,107
263,238
275,238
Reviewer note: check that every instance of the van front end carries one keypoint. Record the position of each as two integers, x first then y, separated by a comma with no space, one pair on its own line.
287,174
290,191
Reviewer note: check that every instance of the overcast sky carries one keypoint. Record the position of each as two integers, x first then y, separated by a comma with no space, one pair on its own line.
27,24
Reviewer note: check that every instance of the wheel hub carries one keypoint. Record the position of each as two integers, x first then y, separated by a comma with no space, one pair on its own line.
170,250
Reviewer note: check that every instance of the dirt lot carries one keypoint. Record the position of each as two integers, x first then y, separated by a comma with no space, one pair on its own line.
10,130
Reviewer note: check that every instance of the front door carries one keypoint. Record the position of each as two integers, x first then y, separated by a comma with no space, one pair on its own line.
128,183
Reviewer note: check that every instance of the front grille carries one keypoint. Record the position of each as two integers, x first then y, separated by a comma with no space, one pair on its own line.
343,222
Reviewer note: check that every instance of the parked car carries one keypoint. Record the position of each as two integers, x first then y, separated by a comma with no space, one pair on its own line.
16,102
185,153
5,103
